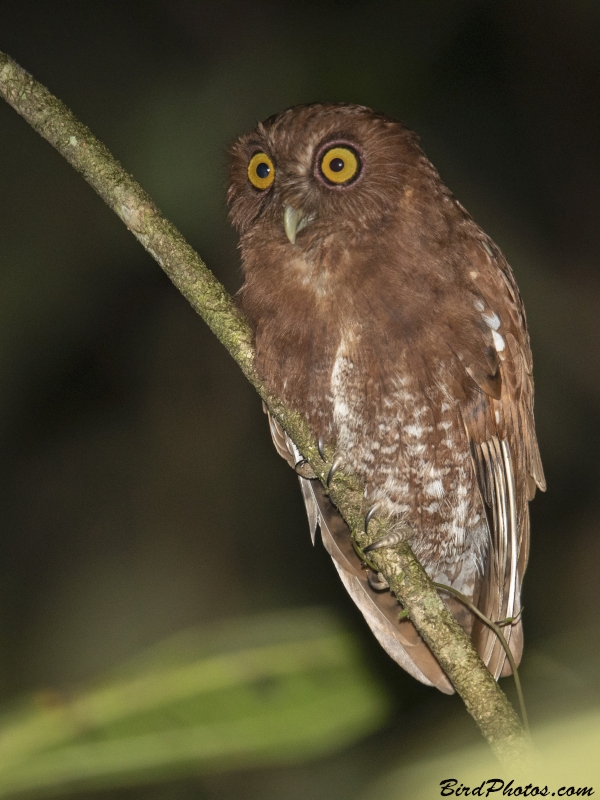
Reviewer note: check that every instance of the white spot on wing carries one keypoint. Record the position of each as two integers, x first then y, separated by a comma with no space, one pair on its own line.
498,341
492,319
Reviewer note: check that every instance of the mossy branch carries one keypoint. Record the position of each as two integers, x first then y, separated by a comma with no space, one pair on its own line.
55,122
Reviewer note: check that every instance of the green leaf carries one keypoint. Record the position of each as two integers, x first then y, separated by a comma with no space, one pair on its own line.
246,692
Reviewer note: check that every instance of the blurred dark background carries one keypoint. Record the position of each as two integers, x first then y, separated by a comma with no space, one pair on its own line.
140,493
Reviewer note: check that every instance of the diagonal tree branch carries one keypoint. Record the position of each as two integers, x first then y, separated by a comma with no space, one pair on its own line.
52,119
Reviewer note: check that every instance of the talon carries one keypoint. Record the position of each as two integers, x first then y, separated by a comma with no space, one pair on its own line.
370,514
391,540
337,463
377,582
321,448
304,469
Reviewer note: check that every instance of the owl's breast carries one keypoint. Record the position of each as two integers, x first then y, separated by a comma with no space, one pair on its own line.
403,436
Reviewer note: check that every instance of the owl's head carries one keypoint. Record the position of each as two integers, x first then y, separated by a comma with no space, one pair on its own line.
314,173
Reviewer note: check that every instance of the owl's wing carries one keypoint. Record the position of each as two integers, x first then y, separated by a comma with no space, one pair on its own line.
399,638
500,594
499,423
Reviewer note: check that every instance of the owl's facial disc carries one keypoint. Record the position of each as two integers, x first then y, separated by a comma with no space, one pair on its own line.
295,220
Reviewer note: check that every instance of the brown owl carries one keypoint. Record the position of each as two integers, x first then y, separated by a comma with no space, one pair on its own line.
388,318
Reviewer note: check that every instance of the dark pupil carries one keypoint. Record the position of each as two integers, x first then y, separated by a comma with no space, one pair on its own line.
262,169
336,165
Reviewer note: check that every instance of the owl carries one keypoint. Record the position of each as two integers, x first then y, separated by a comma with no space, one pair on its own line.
386,317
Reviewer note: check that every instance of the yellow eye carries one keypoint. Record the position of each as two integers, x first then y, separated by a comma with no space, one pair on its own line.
340,165
261,172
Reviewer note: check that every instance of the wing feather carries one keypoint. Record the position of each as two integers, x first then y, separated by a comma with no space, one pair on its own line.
500,597
506,461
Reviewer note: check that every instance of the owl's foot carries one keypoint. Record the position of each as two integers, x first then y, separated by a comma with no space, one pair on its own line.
370,514
377,582
321,448
304,469
389,540
337,463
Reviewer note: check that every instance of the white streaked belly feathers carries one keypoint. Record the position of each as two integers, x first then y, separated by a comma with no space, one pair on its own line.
413,455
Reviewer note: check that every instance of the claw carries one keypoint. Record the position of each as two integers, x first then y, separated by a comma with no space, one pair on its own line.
390,540
370,514
377,582
320,448
304,469
337,463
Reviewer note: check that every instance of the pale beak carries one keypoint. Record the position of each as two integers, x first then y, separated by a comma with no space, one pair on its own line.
294,220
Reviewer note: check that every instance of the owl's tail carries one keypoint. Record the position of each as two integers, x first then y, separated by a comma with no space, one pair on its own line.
398,637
